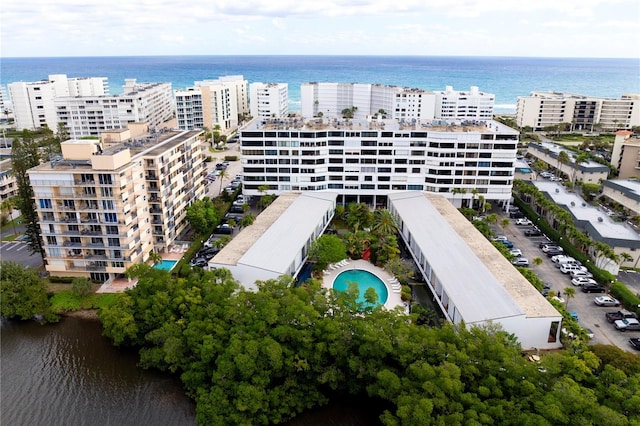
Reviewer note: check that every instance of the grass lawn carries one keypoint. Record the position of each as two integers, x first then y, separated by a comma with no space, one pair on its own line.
66,301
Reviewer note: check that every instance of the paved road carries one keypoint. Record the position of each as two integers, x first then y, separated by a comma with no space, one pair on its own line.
19,252
589,314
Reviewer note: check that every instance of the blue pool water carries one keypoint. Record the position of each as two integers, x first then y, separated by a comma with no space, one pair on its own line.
166,265
365,280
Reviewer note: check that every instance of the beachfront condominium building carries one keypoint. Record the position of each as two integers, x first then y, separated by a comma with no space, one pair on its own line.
33,102
102,209
455,105
364,161
269,100
211,103
577,112
150,103
625,156
363,100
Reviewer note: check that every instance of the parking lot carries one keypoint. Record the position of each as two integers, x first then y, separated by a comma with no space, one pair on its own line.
589,314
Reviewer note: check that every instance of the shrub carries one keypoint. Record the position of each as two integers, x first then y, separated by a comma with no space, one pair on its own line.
230,158
63,280
626,297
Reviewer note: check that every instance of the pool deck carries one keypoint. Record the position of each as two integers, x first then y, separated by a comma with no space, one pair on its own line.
393,299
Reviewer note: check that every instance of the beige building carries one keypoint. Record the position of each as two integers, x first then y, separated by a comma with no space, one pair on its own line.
581,113
587,172
625,192
103,209
8,185
625,156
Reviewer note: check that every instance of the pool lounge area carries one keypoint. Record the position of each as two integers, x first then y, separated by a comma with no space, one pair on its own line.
392,300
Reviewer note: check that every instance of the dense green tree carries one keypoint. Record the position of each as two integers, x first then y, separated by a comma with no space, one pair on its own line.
359,216
23,294
327,249
81,286
24,155
202,216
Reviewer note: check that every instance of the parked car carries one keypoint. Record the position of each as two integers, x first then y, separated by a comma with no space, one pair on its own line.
507,243
547,247
223,229
567,267
582,281
516,215
589,333
516,252
543,243
199,262
533,232
561,258
627,324
618,315
581,273
606,301
554,252
635,343
499,238
523,221
521,261
593,288
236,209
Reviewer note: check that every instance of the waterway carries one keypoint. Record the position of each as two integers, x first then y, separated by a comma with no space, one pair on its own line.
69,374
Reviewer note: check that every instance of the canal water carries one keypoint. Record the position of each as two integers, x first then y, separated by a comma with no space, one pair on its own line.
68,374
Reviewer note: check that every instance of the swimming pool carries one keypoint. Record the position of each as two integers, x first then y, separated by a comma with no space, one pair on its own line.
365,280
166,265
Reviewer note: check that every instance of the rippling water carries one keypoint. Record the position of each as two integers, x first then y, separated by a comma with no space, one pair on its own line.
68,374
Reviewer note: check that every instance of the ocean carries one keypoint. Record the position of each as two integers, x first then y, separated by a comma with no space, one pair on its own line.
506,77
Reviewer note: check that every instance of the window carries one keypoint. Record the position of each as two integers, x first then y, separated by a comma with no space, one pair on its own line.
553,332
114,242
45,203
110,217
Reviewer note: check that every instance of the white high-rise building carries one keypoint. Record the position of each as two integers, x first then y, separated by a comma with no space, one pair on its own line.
269,100
464,105
577,112
212,103
150,103
365,161
33,102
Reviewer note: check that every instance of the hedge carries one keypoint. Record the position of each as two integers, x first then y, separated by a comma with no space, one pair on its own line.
626,297
64,280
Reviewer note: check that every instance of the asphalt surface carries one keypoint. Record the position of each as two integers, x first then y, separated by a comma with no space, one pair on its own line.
589,314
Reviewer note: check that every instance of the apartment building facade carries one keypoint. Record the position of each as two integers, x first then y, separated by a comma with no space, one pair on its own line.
625,156
579,112
33,102
400,103
268,100
102,210
366,161
211,103
150,103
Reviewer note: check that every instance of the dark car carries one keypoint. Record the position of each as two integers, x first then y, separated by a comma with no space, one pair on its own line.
618,315
235,217
236,209
516,215
593,288
533,232
543,243
635,343
223,229
554,252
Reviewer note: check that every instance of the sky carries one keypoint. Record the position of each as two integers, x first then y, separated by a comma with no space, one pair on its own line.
534,28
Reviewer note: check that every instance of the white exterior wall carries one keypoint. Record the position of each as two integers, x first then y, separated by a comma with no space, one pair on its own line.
240,88
33,106
464,105
189,112
308,96
269,100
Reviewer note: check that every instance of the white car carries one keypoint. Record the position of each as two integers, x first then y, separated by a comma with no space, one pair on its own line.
521,261
516,252
566,268
582,281
606,301
558,257
580,273
523,221
500,238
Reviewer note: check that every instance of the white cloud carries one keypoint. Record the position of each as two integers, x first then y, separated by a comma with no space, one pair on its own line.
73,27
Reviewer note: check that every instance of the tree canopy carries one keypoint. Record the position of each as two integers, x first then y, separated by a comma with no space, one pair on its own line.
23,295
263,357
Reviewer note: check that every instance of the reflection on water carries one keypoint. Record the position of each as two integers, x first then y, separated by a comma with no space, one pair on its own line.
68,374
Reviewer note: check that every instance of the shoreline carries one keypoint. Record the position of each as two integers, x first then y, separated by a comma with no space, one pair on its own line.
90,314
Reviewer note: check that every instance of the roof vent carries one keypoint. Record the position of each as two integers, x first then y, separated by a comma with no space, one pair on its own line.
599,219
573,203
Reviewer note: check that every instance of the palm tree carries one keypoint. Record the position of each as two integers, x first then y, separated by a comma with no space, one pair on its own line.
624,257
155,257
563,158
583,157
504,223
383,222
7,206
223,174
537,261
569,293
474,195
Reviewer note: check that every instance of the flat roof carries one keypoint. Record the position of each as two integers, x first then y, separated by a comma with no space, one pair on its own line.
329,123
481,282
555,149
616,234
274,240
475,291
629,187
